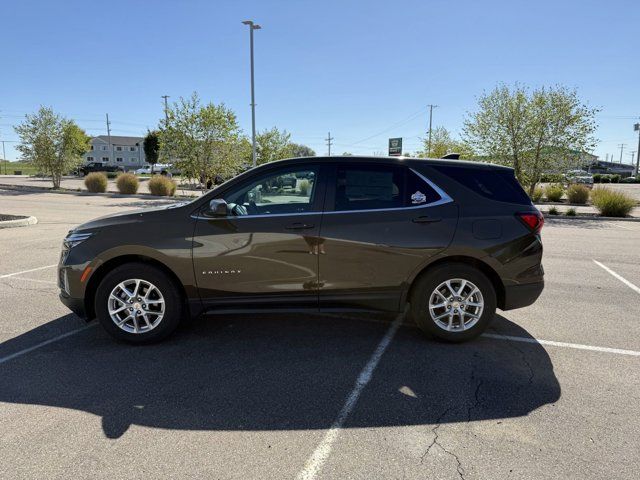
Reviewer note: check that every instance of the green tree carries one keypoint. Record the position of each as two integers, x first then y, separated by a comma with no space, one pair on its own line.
547,129
204,140
151,145
298,150
273,145
443,143
54,144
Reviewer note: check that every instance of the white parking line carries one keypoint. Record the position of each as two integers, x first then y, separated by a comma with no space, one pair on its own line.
46,342
551,343
512,338
322,451
619,277
7,275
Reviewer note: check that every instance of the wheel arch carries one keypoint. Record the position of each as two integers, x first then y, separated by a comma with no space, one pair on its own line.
485,268
109,265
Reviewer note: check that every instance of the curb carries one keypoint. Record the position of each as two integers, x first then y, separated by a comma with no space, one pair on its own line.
19,222
590,217
30,188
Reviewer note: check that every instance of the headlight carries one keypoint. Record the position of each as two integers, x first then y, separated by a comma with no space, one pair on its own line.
74,239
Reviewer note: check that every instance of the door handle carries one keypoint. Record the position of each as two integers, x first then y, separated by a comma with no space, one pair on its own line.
425,219
299,226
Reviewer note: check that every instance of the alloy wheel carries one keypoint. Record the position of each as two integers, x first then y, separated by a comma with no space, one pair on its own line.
456,305
136,306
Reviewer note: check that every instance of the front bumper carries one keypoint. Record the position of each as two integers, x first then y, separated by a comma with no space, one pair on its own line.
518,296
76,305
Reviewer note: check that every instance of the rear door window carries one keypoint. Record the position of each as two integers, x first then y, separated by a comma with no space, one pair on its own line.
368,187
374,187
495,184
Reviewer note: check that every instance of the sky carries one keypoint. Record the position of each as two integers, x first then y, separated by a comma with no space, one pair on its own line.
362,70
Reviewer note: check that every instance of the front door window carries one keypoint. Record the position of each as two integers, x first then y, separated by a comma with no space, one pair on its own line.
281,192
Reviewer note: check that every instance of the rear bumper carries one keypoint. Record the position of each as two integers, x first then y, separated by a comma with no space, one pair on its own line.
518,296
76,305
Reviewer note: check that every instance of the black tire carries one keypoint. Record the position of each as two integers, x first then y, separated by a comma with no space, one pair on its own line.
427,283
173,302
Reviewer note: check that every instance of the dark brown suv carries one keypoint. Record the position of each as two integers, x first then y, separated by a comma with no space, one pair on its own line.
446,241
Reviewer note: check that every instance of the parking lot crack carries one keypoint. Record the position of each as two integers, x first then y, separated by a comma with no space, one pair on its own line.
435,442
525,360
476,395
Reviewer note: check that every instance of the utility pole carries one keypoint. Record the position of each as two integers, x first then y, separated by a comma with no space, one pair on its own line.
109,138
252,27
166,111
431,107
328,140
633,155
622,145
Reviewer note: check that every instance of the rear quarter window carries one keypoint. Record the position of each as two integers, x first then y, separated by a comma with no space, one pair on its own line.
500,185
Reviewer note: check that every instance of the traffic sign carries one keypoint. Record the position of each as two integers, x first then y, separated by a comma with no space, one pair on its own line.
395,147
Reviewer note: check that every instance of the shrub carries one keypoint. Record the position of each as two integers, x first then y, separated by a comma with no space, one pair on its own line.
162,186
96,182
578,194
551,178
112,175
605,179
304,188
553,211
611,203
597,177
571,212
554,192
536,196
127,183
615,178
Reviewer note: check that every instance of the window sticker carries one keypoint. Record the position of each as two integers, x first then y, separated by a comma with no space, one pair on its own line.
418,197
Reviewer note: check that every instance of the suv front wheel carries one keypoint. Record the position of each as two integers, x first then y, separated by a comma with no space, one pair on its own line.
453,302
138,303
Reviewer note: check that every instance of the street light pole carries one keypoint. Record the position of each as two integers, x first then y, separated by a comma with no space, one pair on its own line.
252,27
636,127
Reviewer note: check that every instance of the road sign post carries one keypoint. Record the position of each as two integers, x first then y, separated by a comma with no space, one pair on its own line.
395,147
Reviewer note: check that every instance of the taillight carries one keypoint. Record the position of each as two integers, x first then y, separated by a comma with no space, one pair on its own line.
534,221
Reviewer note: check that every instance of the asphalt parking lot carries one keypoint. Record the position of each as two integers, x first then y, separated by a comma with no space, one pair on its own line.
551,391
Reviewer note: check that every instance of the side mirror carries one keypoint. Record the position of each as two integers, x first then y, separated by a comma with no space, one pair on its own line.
218,208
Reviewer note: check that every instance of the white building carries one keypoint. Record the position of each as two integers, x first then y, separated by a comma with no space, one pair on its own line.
127,152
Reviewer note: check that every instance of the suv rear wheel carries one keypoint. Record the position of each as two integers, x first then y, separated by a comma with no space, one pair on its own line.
453,302
138,303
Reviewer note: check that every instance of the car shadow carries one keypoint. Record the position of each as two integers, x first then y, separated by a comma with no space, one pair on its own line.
277,373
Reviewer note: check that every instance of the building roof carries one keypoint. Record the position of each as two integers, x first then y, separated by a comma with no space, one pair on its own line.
118,140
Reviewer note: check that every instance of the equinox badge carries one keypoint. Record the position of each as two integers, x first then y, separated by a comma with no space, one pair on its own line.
220,272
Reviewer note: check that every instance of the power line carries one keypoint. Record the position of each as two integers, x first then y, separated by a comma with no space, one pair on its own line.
411,117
